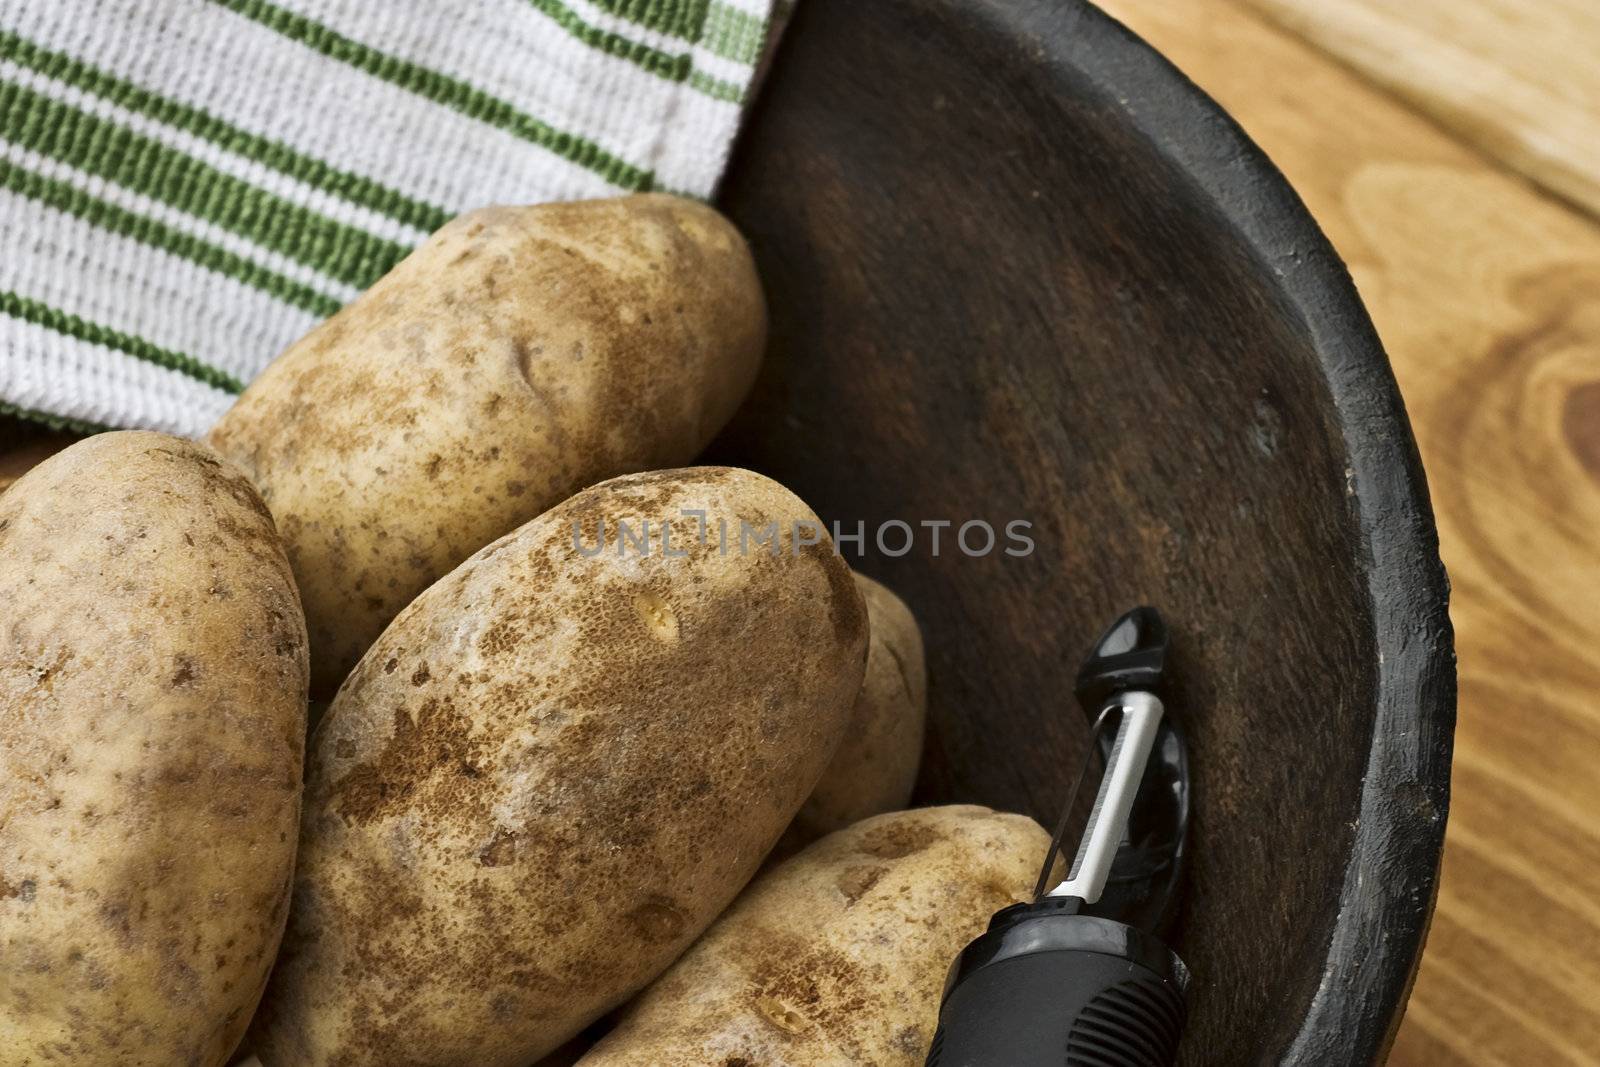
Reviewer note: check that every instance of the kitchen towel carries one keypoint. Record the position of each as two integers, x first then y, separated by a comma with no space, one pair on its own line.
187,186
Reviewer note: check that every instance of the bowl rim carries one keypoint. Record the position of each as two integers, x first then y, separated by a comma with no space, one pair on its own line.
1384,905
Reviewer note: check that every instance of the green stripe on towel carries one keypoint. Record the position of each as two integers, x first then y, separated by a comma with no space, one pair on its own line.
446,91
734,34
346,185
53,422
675,67
64,197
62,322
681,18
95,146
672,67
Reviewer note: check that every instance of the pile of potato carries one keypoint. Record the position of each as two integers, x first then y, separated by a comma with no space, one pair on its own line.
545,771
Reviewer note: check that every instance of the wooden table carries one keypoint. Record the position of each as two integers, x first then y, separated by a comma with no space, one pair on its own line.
1415,134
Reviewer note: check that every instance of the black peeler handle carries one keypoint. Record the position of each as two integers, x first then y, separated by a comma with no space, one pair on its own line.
1078,978
1044,989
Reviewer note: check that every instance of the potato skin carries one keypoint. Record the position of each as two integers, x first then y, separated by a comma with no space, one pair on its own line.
552,772
875,766
519,355
152,717
837,957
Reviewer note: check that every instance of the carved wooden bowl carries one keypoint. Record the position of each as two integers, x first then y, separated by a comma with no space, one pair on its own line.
1021,268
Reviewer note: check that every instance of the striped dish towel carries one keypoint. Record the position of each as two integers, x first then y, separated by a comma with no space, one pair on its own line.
187,186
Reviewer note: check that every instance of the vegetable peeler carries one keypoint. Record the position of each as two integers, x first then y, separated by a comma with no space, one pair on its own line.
1080,976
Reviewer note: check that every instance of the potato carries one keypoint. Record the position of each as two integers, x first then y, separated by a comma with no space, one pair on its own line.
555,768
518,356
152,716
837,957
875,767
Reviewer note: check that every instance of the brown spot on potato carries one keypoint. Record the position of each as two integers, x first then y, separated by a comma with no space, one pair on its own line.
426,765
183,671
501,637
526,354
658,919
896,839
845,608
24,890
500,850
856,882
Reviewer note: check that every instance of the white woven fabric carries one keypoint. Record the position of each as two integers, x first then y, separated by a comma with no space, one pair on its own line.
187,186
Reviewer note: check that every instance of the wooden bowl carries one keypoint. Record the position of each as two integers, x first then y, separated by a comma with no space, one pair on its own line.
1021,268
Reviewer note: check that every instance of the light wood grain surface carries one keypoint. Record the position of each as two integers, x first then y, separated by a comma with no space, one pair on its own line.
1487,295
1520,79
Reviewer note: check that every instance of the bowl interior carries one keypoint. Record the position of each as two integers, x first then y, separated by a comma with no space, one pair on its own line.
997,296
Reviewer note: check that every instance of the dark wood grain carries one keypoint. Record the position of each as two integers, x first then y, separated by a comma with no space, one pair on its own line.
1020,268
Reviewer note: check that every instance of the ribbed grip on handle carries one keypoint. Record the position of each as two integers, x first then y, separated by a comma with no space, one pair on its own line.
1062,994
1135,1023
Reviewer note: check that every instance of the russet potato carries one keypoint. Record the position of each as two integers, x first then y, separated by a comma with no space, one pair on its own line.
556,768
875,766
838,956
519,355
152,720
